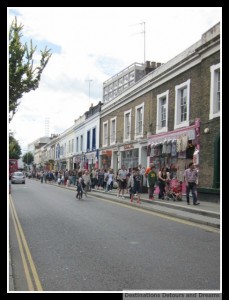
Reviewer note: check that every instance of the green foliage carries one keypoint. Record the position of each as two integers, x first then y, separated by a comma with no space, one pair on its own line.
23,76
14,148
28,158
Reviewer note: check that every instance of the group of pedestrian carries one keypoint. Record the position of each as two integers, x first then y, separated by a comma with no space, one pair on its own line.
163,179
128,180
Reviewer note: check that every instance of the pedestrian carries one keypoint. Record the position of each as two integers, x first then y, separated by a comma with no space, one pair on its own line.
191,180
137,184
152,179
41,176
122,174
162,179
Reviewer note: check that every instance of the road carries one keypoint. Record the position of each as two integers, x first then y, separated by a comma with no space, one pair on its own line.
59,243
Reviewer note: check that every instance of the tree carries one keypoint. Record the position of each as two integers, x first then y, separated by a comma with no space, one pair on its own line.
23,76
28,158
14,148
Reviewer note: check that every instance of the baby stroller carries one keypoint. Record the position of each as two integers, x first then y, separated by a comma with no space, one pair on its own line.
174,190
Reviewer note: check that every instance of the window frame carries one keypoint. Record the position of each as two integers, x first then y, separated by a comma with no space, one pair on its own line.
177,122
160,97
105,138
113,141
213,91
139,134
125,137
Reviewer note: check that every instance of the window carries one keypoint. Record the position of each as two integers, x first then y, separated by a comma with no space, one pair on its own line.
88,140
127,125
105,133
132,75
93,138
182,100
81,143
126,78
77,144
162,112
215,92
113,131
139,112
72,145
120,90
110,95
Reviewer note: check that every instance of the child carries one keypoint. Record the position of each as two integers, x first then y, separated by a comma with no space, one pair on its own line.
177,191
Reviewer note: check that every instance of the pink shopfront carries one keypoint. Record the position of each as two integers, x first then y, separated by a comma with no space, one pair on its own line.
175,149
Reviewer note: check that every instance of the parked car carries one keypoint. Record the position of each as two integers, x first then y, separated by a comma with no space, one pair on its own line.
17,177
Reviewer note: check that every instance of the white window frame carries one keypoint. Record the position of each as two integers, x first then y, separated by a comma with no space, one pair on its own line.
77,144
81,143
137,134
178,88
105,134
214,112
160,97
113,134
126,137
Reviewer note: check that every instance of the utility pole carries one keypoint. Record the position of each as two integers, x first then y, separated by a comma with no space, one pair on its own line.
89,83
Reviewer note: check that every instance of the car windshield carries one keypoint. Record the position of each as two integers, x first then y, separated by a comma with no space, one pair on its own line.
18,174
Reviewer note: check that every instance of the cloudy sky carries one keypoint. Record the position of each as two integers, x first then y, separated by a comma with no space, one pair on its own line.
95,44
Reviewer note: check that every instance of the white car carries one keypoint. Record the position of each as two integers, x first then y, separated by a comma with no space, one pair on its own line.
18,177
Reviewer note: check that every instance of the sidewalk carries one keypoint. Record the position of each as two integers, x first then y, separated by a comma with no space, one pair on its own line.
207,213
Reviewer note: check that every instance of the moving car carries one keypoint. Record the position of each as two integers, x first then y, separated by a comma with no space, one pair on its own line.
17,177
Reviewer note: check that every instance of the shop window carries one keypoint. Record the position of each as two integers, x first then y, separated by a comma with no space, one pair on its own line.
215,92
182,101
190,150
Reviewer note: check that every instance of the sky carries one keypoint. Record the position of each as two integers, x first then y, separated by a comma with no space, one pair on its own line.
89,45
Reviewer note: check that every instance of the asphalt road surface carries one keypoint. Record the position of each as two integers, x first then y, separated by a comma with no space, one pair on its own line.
59,243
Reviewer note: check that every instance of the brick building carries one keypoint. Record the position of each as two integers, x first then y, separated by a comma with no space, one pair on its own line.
178,102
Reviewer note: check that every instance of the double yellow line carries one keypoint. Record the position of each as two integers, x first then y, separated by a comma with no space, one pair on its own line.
31,275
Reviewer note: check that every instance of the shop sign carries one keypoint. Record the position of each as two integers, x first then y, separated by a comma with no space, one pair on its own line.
129,146
172,135
106,152
91,155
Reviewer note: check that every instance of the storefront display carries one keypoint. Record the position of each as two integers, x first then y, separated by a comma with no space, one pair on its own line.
130,158
175,149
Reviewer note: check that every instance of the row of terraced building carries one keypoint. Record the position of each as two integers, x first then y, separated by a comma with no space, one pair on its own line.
168,114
